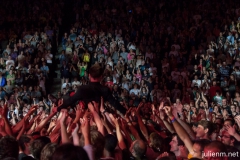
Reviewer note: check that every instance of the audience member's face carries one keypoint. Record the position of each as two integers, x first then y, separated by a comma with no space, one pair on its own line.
135,86
227,123
215,109
187,107
200,132
214,83
201,104
197,150
233,109
174,144
224,102
226,138
194,128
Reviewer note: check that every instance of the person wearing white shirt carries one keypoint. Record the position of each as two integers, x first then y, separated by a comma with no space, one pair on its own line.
135,90
49,57
65,84
177,46
9,63
76,82
196,82
120,42
110,62
131,46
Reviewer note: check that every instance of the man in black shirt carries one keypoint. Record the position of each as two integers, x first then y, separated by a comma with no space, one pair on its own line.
93,91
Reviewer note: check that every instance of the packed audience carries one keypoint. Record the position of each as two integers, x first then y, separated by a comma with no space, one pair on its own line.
174,66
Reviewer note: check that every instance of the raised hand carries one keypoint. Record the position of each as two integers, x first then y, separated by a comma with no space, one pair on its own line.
114,120
168,111
60,102
137,111
162,115
153,108
43,116
33,109
85,126
140,105
123,122
231,130
79,112
6,100
87,115
93,107
63,118
104,119
102,105
76,129
52,123
134,112
161,106
54,108
175,112
128,112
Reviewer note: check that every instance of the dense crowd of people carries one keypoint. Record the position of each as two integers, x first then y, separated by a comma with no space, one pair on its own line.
169,72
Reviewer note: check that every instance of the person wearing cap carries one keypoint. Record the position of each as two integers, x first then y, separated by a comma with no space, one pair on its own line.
93,91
